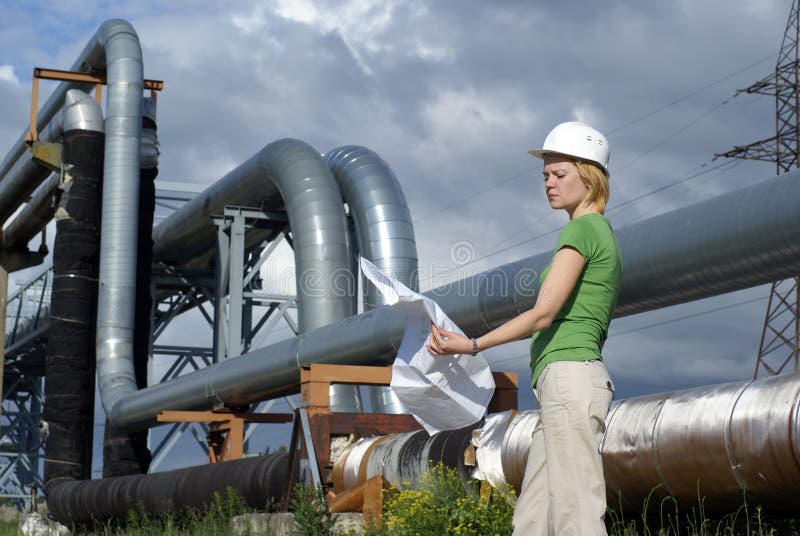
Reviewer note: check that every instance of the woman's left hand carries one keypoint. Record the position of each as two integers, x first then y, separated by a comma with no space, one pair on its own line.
443,342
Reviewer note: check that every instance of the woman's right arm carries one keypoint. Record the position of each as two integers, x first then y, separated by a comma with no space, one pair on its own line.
564,272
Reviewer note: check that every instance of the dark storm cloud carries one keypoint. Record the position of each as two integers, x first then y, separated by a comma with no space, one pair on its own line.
451,95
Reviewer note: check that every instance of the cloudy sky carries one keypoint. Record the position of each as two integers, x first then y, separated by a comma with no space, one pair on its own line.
451,94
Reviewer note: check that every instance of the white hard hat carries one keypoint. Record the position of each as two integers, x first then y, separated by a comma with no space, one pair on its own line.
578,140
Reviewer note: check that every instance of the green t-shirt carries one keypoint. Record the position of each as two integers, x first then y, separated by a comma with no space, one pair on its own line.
581,326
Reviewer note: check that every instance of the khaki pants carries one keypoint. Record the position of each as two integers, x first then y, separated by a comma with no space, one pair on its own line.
563,492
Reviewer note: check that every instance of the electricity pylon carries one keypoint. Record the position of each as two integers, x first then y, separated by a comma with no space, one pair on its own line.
780,336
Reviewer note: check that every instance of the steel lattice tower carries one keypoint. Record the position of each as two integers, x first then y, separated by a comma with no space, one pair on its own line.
780,336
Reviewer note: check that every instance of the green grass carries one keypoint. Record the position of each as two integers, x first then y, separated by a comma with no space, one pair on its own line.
9,528
216,521
444,504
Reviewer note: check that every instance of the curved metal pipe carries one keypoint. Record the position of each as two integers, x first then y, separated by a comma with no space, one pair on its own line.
384,235
384,231
80,112
288,172
120,210
19,176
296,171
258,480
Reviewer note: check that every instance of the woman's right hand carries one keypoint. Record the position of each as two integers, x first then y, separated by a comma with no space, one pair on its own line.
443,342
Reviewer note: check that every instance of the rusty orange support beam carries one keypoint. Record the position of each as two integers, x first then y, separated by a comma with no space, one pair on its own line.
98,79
225,429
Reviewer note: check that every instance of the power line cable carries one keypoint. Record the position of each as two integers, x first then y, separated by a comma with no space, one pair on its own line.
720,170
690,176
665,140
476,194
621,127
686,317
689,95
614,130
675,183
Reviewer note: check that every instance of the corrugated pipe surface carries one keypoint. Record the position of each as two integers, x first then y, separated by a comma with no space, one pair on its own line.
717,441
259,482
401,458
102,53
70,360
384,235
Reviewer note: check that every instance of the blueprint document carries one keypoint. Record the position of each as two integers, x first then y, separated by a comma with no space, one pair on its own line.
442,392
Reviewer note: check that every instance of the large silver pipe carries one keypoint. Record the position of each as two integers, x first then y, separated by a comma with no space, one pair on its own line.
297,173
714,442
288,172
766,250
384,231
384,235
19,183
734,241
120,211
80,112
19,175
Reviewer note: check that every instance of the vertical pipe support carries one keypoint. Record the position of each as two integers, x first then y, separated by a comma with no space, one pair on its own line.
235,287
222,259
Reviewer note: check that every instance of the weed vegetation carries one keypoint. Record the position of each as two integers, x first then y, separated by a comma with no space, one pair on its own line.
216,521
311,516
442,505
667,519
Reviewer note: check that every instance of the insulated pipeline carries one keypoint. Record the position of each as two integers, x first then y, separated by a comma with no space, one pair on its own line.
291,171
259,482
766,250
714,442
717,441
118,234
384,231
68,406
127,453
297,173
402,459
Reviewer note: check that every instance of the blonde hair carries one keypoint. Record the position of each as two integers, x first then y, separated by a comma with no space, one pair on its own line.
597,181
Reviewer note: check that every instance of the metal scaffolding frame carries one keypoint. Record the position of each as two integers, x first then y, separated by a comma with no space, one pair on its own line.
228,298
238,280
21,444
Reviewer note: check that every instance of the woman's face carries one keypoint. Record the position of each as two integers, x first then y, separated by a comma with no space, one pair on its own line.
562,184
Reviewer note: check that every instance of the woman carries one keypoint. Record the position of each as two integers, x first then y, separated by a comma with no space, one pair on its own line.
563,491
